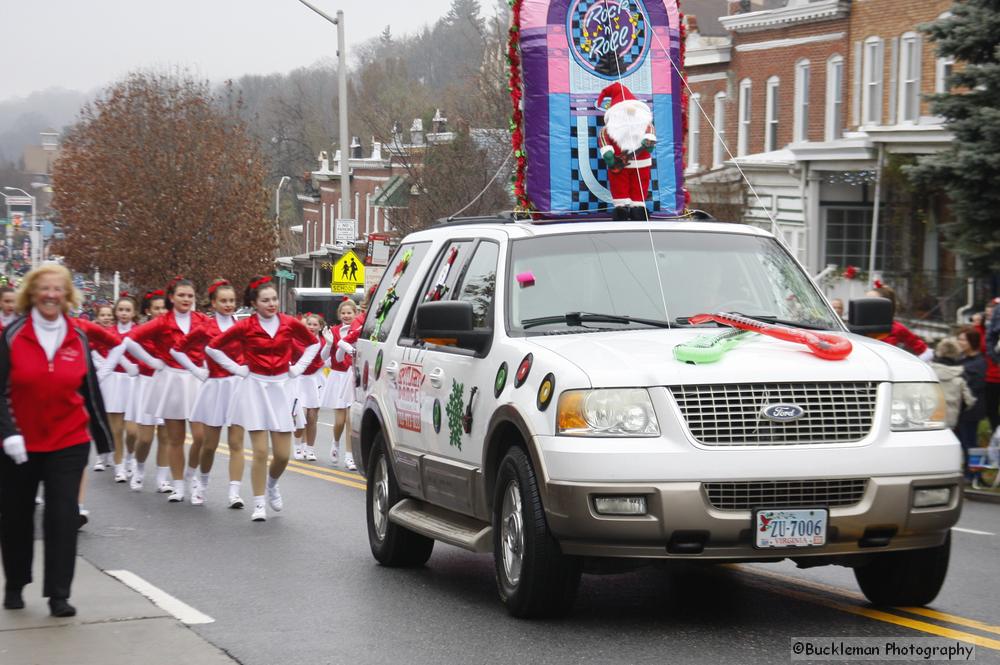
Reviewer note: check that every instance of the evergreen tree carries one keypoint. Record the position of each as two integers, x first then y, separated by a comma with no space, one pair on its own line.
969,169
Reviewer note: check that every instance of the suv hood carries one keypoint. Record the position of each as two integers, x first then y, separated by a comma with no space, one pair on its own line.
645,358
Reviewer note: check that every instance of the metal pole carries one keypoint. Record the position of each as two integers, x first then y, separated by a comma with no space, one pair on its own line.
36,237
345,137
117,286
875,213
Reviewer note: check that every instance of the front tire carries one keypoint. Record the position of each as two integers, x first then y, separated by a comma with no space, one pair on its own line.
391,544
910,578
534,578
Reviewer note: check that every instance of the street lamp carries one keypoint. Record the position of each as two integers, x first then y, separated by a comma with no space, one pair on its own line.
35,239
345,140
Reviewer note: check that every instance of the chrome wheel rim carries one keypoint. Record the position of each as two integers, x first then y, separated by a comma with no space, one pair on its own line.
512,533
380,499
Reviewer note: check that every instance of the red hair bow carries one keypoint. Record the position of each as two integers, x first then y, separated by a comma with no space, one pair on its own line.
216,285
260,282
157,292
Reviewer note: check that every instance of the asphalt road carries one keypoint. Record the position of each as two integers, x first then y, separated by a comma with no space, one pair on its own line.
303,588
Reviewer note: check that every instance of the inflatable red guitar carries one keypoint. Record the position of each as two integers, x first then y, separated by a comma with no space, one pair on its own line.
824,345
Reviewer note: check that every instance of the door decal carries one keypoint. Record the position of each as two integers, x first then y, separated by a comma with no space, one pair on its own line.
436,414
455,412
467,418
501,381
409,381
522,371
545,391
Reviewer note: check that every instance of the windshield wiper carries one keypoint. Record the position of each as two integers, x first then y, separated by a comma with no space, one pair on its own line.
577,319
770,318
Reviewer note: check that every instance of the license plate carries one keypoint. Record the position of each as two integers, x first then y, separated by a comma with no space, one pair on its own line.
790,528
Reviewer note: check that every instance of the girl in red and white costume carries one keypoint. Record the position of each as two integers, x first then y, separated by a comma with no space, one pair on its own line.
310,391
125,377
211,406
116,383
339,390
172,393
263,402
148,425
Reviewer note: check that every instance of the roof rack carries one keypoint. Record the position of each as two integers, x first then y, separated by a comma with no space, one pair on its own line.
513,218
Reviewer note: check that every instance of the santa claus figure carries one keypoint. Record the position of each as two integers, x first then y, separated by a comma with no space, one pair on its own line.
625,144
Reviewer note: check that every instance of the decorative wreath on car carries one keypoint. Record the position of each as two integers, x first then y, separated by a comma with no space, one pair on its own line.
391,296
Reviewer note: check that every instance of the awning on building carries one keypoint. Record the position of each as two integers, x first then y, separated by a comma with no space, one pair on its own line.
394,194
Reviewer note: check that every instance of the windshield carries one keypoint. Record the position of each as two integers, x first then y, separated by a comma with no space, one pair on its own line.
613,273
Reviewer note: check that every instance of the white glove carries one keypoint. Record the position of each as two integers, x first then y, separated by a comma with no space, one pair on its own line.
15,448
242,371
200,373
132,369
294,372
328,335
104,371
158,364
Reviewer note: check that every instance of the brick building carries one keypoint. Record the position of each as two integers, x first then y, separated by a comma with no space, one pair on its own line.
817,100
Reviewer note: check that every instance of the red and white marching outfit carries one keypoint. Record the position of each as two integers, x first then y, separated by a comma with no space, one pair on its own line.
113,367
310,384
173,390
215,395
625,144
264,401
339,390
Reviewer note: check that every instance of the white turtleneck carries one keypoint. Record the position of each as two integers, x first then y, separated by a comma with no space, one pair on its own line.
124,327
7,319
224,321
50,334
183,321
269,324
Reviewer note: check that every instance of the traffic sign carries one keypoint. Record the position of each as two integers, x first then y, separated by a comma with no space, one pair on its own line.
348,274
18,201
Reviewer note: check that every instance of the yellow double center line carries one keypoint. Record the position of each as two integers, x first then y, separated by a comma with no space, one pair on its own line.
808,591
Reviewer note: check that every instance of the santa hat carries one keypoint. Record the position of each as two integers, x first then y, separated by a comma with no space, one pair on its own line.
617,93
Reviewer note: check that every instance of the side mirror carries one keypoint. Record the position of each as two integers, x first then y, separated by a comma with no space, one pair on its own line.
450,323
870,316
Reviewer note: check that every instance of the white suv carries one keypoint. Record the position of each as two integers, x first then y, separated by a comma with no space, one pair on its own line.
518,394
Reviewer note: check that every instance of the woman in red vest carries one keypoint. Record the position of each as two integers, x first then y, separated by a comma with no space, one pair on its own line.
52,411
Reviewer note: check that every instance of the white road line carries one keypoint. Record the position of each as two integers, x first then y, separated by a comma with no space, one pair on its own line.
978,533
184,612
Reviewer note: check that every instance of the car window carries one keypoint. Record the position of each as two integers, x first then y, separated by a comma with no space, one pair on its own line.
399,275
479,283
440,281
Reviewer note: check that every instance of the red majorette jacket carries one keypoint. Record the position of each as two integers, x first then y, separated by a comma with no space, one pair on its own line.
162,334
53,405
194,346
265,355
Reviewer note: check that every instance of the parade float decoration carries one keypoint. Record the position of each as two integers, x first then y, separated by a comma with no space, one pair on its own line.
572,62
709,348
825,345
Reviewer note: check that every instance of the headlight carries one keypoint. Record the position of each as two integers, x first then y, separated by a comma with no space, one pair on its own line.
607,412
917,406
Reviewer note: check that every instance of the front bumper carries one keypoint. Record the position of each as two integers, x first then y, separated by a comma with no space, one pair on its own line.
682,523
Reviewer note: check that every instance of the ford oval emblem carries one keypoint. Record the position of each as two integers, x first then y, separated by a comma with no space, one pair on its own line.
783,413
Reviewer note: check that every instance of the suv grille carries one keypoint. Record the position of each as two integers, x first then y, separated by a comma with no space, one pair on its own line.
785,493
730,414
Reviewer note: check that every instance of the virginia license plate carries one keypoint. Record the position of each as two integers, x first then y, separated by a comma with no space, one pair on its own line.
804,527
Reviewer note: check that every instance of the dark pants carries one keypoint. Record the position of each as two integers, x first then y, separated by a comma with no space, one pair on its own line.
60,472
992,399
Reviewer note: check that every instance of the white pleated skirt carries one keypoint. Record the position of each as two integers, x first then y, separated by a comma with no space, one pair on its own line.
116,389
310,390
263,403
214,401
338,393
172,394
134,411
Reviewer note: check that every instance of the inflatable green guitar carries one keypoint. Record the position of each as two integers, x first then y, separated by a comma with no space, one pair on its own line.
709,348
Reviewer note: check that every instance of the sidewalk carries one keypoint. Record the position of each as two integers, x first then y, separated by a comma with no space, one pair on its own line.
114,626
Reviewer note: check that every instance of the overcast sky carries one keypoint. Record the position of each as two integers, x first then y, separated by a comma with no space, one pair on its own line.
85,44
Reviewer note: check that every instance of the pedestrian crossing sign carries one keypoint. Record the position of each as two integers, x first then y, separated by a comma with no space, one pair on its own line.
348,274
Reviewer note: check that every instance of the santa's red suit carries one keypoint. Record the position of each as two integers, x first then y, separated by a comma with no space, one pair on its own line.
625,143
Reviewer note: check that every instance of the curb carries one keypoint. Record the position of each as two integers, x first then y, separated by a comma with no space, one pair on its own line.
982,496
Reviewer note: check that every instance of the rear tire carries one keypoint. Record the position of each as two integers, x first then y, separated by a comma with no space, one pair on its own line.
391,544
910,578
534,578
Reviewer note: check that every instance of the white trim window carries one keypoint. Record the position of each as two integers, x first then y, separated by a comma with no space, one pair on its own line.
943,68
801,132
871,92
694,132
719,144
834,98
909,77
771,115
743,139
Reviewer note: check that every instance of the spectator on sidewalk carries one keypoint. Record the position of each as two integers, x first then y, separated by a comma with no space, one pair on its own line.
838,306
51,411
991,332
974,373
900,336
947,364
